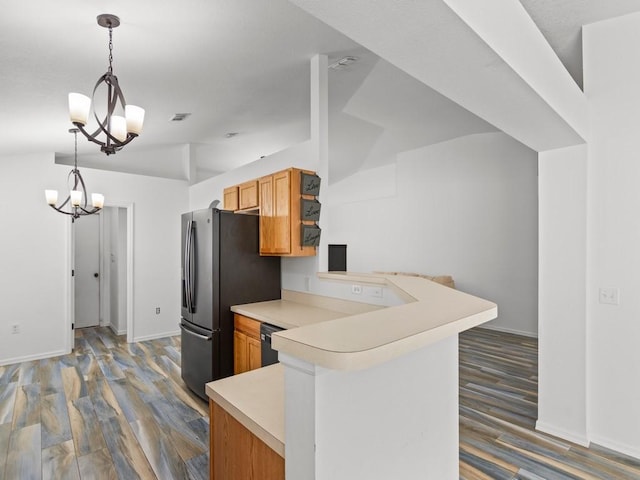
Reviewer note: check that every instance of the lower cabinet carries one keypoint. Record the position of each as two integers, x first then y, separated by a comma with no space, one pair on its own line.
246,344
236,453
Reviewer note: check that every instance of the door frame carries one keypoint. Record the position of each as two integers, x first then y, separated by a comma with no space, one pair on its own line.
129,207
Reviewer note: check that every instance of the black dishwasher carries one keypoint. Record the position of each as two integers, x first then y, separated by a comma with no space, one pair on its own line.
268,354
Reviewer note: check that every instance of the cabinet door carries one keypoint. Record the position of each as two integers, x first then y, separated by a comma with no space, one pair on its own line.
240,353
231,198
265,188
254,359
282,212
248,193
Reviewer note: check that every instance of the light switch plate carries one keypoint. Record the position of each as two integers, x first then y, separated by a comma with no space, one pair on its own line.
609,296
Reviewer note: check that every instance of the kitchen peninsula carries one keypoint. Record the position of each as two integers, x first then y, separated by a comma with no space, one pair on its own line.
358,394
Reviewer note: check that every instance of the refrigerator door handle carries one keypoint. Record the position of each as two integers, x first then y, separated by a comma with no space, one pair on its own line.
187,266
190,332
192,268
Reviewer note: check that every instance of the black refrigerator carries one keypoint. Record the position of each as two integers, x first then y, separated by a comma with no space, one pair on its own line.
221,267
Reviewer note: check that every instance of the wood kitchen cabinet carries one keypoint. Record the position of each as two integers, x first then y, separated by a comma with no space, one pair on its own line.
280,214
248,195
247,354
230,195
238,454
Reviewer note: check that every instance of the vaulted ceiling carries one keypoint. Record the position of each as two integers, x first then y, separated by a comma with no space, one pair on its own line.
242,66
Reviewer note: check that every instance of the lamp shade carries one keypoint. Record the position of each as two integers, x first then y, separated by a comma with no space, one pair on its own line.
52,196
79,106
97,200
76,198
118,127
135,119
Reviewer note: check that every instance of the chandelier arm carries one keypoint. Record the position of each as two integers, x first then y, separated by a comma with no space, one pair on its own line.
59,209
90,212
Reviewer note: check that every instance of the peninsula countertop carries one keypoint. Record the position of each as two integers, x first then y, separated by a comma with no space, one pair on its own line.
359,341
342,335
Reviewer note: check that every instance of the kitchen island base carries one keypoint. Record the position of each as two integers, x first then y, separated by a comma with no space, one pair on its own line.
394,420
236,453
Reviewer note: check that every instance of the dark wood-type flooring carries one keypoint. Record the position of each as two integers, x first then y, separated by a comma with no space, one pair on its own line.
498,411
110,410
113,410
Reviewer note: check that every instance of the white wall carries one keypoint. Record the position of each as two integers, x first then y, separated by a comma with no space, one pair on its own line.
34,251
562,367
302,155
466,208
612,76
33,260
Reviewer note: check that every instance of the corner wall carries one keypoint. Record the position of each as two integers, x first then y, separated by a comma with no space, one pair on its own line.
612,76
34,253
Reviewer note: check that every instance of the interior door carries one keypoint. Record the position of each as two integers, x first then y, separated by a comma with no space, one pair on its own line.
87,271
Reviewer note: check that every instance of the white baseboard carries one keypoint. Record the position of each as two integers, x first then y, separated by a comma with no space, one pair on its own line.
581,440
156,335
28,358
117,332
617,446
509,330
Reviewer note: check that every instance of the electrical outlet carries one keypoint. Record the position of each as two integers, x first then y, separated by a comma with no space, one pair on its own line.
157,310
15,328
356,289
609,296
373,292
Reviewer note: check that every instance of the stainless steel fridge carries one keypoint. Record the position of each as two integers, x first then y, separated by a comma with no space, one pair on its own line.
221,267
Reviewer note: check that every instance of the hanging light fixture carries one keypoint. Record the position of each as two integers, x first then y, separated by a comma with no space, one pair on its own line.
76,201
116,130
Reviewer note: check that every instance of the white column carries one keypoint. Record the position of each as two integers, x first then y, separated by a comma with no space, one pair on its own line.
320,140
562,293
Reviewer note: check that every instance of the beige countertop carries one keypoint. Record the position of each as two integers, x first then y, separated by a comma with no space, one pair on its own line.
342,335
256,400
359,341
297,309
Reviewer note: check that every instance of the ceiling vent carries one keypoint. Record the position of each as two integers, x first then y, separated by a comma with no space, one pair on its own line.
178,117
343,63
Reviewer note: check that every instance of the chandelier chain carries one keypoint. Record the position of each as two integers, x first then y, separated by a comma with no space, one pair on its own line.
110,49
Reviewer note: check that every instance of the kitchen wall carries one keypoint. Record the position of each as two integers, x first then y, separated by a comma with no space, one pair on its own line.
612,76
590,240
466,208
34,253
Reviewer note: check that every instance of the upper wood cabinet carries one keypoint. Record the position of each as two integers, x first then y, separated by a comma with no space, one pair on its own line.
248,194
280,224
231,198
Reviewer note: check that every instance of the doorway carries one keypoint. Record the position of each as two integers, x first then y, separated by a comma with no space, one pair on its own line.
86,262
114,252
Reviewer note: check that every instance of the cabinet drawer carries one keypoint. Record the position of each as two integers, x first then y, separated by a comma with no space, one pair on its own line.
246,325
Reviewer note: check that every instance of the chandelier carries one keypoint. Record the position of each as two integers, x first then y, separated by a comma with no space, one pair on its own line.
76,201
115,131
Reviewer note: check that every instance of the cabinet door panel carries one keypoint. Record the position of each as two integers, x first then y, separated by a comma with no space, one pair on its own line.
231,198
248,193
254,353
281,212
240,355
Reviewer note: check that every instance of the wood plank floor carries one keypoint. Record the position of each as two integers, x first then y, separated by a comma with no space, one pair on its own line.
498,411
110,410
113,410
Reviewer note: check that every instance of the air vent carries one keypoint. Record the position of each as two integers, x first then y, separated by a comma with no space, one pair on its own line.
343,63
178,117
